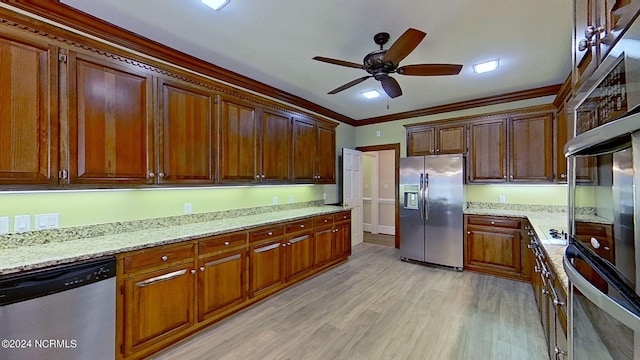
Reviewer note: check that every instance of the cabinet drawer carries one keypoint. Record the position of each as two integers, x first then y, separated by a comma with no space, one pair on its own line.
223,242
342,216
323,220
158,257
511,223
266,233
299,225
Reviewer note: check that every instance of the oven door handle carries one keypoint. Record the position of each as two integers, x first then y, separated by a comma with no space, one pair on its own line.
597,297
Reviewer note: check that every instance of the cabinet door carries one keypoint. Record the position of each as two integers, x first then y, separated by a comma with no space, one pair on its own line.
239,142
531,148
304,151
562,136
493,250
326,155
342,240
221,282
266,267
488,156
585,58
299,255
29,116
276,147
420,142
451,140
158,305
323,245
110,127
188,140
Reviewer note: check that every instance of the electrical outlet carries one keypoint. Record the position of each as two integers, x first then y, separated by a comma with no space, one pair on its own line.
21,223
4,224
378,133
275,200
324,196
46,221
291,199
188,208
502,199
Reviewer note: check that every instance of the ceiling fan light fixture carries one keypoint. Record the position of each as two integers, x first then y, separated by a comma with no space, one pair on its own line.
486,66
215,4
371,94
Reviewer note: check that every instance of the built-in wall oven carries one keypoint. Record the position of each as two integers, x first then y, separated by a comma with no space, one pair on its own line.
603,253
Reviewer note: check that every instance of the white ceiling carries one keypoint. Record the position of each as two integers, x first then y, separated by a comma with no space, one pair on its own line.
274,41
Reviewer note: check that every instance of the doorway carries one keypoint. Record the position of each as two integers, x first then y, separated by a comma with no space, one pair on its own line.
381,199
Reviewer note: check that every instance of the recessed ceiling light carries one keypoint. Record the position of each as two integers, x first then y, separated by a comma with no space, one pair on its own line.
371,94
215,4
486,66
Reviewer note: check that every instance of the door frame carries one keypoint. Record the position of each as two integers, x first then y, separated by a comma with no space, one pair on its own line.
396,148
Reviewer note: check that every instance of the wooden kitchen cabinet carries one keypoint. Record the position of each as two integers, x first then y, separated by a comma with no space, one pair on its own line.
158,294
275,154
313,152
187,145
266,260
221,282
488,151
597,26
514,149
493,245
342,237
531,148
110,122
299,255
239,142
435,140
29,117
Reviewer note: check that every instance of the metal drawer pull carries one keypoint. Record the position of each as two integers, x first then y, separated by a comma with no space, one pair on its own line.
221,261
298,239
226,243
164,258
326,221
302,225
267,248
557,302
161,278
270,233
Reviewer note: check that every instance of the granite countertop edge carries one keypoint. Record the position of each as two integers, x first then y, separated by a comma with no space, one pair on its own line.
39,256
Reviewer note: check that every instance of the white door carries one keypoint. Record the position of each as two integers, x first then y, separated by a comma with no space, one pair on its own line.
352,190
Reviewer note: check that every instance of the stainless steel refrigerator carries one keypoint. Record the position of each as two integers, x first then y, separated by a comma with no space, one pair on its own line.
431,209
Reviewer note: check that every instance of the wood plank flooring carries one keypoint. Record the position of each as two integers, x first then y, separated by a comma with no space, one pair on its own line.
377,307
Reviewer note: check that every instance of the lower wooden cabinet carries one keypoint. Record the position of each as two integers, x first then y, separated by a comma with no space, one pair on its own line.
171,291
493,245
158,305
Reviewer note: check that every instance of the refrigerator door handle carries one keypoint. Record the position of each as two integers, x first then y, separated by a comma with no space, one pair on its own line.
425,196
421,197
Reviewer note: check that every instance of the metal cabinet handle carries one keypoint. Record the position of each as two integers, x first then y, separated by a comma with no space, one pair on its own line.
164,258
468,232
284,245
563,176
270,233
298,239
161,174
165,277
493,223
202,268
266,248
193,271
559,351
326,221
510,176
302,226
557,302
226,243
262,176
258,176
151,174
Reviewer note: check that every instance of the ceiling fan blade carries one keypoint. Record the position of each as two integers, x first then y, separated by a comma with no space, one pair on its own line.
404,46
429,69
338,62
391,87
349,84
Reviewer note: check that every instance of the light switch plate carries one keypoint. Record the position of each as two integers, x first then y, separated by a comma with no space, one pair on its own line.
4,224
46,221
22,223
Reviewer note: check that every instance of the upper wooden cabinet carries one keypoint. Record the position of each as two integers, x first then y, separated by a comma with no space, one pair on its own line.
514,149
314,152
598,25
531,148
29,116
239,141
187,136
275,154
432,140
110,123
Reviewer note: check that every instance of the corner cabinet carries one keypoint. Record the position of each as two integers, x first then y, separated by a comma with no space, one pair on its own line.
29,117
314,152
168,292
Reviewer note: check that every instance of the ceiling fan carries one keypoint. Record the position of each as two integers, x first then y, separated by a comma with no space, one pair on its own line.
381,63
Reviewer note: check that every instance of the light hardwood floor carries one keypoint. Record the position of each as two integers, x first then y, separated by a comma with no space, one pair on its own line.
377,307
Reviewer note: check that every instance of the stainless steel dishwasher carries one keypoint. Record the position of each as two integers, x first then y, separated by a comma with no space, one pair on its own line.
66,312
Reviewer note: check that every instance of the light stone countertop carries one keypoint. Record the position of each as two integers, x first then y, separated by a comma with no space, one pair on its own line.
32,256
